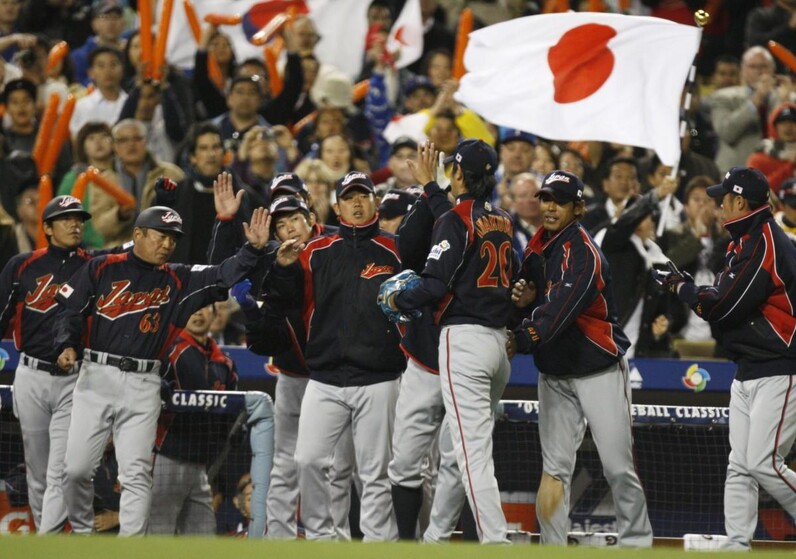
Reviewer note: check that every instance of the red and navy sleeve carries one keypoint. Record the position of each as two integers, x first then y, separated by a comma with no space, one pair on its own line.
9,286
579,286
741,287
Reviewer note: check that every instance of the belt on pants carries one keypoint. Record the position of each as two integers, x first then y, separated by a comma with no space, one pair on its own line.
125,364
45,366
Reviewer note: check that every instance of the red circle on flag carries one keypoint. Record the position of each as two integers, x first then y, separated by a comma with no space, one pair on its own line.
581,61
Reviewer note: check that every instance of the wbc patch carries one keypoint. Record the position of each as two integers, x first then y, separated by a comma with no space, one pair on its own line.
437,250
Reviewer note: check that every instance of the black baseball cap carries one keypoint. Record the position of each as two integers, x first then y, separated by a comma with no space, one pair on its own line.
19,84
787,192
102,7
516,135
475,156
396,202
743,181
788,112
563,186
64,205
355,180
288,183
417,82
160,218
288,204
403,142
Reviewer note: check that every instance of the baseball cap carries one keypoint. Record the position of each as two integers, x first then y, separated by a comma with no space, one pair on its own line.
396,202
288,183
788,112
63,205
20,84
562,186
102,7
354,180
160,218
743,181
288,204
417,82
475,156
515,134
253,79
787,192
403,142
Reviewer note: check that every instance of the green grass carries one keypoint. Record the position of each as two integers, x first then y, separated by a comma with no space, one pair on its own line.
107,547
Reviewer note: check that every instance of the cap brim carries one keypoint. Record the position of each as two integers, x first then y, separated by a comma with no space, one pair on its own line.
82,213
716,191
347,188
552,193
448,160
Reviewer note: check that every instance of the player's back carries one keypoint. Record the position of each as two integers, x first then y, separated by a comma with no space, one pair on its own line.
479,293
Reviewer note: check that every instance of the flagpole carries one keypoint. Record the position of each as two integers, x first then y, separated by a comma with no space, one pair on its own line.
701,17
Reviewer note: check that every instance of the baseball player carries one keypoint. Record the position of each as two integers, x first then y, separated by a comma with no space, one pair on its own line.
188,442
352,354
750,308
420,411
280,332
43,391
467,275
579,348
134,302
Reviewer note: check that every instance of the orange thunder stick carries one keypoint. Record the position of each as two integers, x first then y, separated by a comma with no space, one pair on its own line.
45,130
145,36
785,56
224,19
159,56
61,134
79,187
45,195
213,70
462,33
56,54
124,198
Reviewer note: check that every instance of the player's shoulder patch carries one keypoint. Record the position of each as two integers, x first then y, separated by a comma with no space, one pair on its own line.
66,291
199,267
438,249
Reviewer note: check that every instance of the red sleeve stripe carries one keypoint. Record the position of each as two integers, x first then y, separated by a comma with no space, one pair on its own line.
35,255
387,243
110,259
778,308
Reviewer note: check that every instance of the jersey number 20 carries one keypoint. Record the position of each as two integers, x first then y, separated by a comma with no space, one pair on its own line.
498,258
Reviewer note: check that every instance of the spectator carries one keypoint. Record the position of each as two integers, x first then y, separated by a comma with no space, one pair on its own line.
444,132
436,34
59,21
775,157
11,39
772,22
438,66
107,22
786,217
243,502
516,156
670,209
403,149
210,99
337,153
136,171
33,63
8,236
194,200
647,313
467,121
572,161
27,226
526,211
105,103
22,126
93,147
740,114
243,100
545,159
620,183
320,183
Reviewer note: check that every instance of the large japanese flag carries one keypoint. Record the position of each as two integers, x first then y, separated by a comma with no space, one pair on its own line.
583,76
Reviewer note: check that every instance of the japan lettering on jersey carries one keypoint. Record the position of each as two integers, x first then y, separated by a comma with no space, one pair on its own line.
42,298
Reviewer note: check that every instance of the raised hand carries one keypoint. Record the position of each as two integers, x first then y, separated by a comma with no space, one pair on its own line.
425,169
289,252
258,232
226,201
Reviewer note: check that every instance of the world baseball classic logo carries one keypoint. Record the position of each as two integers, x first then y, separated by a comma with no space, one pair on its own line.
696,378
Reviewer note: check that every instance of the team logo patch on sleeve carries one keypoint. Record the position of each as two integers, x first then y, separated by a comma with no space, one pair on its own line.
66,291
437,250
